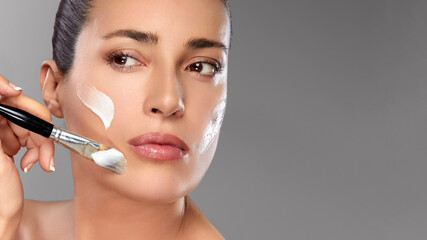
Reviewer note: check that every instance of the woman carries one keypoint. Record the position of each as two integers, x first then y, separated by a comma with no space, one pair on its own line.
160,69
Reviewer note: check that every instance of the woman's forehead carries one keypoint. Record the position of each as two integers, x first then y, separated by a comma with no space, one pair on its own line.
166,18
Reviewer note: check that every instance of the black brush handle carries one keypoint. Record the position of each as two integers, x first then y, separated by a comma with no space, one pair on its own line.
26,120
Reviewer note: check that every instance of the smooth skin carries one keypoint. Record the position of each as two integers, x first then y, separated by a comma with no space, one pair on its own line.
182,84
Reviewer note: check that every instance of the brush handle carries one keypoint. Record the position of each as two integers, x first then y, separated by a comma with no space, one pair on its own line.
26,120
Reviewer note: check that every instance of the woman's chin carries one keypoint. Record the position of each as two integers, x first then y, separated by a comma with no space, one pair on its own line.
155,188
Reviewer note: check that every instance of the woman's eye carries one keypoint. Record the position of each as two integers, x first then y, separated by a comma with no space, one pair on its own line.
203,68
126,61
123,61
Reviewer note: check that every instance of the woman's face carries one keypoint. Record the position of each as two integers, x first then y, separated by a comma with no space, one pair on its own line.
150,66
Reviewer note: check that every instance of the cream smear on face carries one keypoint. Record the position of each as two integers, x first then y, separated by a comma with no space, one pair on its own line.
98,102
213,127
110,159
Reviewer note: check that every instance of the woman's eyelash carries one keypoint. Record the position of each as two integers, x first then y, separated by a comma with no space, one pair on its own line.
118,59
197,68
112,55
218,66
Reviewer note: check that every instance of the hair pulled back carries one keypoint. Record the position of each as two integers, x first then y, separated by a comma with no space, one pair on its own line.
70,19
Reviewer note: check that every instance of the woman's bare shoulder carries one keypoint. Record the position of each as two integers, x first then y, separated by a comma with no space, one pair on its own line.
45,220
197,226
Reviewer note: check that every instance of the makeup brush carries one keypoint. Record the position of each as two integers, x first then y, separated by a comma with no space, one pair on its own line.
104,156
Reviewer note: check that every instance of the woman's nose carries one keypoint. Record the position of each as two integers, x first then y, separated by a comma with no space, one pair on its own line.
164,96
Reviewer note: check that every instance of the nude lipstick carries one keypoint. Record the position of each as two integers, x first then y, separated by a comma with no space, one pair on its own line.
159,146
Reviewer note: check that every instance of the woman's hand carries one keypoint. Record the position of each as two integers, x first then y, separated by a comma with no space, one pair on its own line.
12,138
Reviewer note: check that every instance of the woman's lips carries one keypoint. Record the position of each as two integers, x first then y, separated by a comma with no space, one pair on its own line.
159,146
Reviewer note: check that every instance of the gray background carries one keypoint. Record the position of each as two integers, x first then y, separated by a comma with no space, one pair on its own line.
325,133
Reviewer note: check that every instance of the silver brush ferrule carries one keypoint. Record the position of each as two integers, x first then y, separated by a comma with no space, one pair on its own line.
81,145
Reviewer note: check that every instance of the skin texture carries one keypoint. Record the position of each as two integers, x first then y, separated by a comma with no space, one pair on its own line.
150,199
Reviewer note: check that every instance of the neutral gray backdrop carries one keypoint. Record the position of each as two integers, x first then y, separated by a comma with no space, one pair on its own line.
325,135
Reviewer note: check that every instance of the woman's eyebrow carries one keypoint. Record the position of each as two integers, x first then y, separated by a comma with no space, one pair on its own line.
198,43
142,37
152,38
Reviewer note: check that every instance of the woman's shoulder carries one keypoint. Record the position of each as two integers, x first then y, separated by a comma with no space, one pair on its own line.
196,225
45,220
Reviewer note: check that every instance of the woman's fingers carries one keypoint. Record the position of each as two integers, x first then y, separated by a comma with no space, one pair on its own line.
8,89
28,104
14,137
46,153
29,159
41,152
38,147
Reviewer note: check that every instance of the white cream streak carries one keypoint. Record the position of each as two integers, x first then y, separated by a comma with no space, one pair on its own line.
213,127
97,102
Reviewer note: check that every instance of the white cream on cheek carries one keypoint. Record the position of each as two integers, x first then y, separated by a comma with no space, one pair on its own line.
213,127
98,102
109,156
111,159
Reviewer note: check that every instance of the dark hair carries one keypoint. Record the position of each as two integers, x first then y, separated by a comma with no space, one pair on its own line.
71,17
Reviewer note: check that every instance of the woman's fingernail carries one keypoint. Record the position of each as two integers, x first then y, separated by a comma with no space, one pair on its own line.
52,167
28,167
15,87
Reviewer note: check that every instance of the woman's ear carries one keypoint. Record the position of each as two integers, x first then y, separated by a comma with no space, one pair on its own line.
50,81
